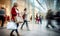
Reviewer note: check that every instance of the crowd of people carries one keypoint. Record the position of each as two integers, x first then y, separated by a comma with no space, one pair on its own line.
38,19
15,13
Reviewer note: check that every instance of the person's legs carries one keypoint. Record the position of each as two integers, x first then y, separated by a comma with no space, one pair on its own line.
48,22
2,21
27,24
17,32
17,24
17,29
23,24
11,34
58,23
51,24
41,21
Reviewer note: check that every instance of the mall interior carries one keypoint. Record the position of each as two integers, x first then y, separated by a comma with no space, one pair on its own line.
34,7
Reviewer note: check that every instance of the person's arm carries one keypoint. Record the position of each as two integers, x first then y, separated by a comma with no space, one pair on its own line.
57,16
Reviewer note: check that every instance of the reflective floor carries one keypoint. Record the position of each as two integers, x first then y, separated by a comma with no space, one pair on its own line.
35,30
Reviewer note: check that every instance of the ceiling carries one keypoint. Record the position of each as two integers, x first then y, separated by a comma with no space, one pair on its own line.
44,5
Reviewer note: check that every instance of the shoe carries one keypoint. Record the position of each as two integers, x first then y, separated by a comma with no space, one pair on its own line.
12,35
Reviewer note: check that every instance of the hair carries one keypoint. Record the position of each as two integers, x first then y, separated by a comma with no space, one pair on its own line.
2,8
15,4
25,9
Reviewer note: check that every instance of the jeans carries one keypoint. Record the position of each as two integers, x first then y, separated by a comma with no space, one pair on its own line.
25,21
15,31
41,21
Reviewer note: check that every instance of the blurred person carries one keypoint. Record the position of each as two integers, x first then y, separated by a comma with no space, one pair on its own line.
49,18
31,18
37,18
14,14
40,18
57,17
25,19
2,15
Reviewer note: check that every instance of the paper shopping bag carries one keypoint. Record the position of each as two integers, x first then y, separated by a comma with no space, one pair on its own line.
11,25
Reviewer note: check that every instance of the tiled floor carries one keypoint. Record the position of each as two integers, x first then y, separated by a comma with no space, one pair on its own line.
35,30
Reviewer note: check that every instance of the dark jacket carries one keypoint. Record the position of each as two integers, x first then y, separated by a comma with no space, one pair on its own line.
58,15
49,15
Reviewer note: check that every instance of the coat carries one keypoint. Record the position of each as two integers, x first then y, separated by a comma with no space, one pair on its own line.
49,16
13,13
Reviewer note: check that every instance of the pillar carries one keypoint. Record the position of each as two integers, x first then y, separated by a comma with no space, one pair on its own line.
33,9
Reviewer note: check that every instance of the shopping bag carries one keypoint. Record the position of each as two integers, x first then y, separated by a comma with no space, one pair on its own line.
19,20
11,25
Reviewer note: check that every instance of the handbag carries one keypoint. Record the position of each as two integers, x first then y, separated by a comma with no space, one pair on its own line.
19,20
11,25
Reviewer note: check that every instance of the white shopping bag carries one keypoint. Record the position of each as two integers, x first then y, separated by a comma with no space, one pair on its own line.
11,25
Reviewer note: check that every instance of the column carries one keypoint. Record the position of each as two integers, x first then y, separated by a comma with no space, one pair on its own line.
33,9
28,8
